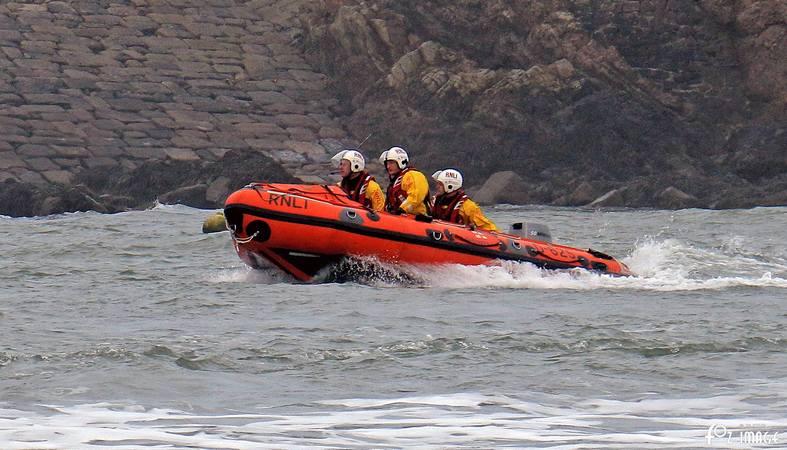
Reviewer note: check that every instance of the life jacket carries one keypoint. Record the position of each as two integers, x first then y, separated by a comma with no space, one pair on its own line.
356,188
447,207
395,195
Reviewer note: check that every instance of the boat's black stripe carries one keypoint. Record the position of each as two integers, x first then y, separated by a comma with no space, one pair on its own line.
392,235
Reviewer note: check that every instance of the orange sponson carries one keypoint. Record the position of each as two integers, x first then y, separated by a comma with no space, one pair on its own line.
304,228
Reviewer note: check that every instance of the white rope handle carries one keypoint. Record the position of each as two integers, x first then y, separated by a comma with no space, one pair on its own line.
245,240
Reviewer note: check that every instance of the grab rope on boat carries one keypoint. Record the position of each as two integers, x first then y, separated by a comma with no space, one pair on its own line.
339,199
256,187
245,240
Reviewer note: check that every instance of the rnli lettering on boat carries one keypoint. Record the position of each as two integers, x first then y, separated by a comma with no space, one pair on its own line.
287,200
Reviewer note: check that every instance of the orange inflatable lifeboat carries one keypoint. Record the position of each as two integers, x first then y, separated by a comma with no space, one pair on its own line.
305,228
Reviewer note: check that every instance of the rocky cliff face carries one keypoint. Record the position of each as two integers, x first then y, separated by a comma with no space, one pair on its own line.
653,103
111,104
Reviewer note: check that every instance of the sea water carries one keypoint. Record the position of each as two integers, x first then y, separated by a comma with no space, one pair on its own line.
135,330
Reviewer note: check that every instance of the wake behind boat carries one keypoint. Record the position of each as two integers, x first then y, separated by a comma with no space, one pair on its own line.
304,228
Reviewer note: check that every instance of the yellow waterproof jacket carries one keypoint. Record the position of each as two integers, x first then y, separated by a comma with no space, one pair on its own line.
374,194
362,188
458,208
409,192
471,215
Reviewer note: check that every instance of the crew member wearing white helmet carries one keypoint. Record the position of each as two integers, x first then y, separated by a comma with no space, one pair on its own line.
408,189
356,181
453,205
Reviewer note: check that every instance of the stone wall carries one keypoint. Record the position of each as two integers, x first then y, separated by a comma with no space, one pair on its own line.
91,86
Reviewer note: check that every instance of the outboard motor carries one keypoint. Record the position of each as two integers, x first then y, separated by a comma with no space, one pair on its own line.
535,231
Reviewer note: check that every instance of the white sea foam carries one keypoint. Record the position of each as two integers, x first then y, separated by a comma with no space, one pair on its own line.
158,206
659,265
667,265
247,275
661,262
436,421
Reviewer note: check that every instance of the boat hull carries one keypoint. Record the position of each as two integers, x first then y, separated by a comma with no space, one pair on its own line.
304,228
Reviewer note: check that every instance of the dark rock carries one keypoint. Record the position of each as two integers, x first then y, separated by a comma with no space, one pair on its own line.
778,198
114,189
76,198
583,194
19,199
615,197
218,190
757,152
502,187
118,202
673,198
25,199
187,195
165,179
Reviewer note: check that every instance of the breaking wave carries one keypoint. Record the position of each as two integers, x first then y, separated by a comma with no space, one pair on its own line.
659,266
666,265
464,420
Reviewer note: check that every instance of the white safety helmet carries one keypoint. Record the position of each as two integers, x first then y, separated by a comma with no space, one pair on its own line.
357,163
395,154
451,179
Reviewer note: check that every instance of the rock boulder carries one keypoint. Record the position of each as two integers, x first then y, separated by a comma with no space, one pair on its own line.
502,187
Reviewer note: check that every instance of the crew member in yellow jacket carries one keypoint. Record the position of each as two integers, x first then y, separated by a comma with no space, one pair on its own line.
453,205
356,181
408,189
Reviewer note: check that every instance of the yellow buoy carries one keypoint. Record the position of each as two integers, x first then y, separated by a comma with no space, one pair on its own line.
214,223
